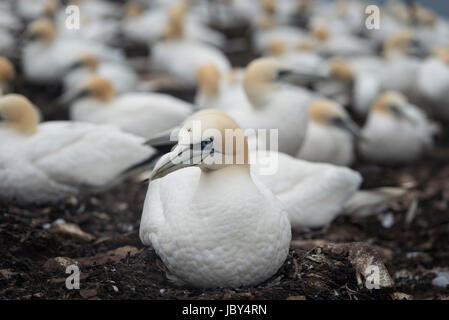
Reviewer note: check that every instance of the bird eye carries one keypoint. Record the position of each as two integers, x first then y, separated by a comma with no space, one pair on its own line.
204,143
283,73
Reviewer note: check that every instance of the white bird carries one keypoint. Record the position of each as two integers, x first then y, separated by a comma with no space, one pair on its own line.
301,57
220,91
50,161
314,194
122,77
181,57
330,134
7,73
354,81
47,56
144,114
396,131
403,53
433,83
275,104
213,225
148,26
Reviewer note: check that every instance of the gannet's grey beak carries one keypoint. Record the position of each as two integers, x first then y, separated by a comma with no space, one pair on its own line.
74,66
183,156
71,96
418,49
165,138
297,77
348,125
399,112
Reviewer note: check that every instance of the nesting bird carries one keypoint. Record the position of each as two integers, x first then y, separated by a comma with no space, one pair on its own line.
51,161
396,131
166,53
211,223
274,104
122,77
330,134
144,114
46,56
219,91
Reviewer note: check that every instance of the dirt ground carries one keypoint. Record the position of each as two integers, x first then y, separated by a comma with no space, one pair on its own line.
100,234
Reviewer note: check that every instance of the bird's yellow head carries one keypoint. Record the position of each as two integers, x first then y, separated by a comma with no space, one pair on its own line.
175,27
51,7
99,88
18,113
134,9
7,71
329,113
341,70
208,139
392,103
276,47
406,43
208,77
320,32
42,30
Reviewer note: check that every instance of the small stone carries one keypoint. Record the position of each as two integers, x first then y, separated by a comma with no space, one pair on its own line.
72,230
387,220
88,293
442,280
58,264
296,298
115,288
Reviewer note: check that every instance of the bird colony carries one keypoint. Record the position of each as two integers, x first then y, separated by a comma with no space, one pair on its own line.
144,93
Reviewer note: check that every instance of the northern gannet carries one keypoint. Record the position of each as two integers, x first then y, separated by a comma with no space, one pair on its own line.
403,54
46,56
274,104
330,134
433,83
353,81
50,161
7,73
144,114
122,77
212,224
219,91
314,194
396,131
147,26
181,57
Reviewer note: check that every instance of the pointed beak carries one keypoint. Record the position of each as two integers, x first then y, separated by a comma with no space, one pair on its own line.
182,156
399,112
71,96
74,66
349,126
301,77
166,138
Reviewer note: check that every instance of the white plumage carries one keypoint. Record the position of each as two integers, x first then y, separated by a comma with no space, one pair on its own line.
313,193
144,114
215,227
396,131
62,158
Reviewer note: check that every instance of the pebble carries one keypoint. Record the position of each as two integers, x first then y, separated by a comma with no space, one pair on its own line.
442,280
